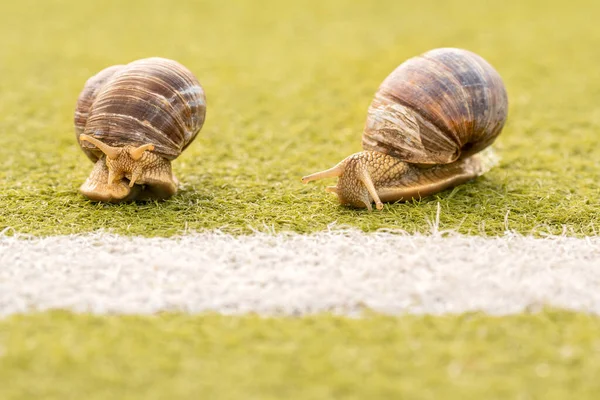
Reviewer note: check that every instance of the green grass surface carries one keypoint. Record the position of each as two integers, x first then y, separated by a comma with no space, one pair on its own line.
288,86
552,355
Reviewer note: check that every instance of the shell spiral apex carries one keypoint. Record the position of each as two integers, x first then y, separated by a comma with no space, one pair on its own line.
433,114
132,120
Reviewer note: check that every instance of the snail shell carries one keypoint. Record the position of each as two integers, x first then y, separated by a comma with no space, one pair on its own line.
150,100
153,102
437,107
425,127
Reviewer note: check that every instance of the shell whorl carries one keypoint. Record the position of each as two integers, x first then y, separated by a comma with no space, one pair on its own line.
436,108
153,100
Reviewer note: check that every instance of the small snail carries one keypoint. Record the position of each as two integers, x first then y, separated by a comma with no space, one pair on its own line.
132,121
425,126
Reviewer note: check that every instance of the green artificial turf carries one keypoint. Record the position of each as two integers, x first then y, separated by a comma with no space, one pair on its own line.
551,355
288,85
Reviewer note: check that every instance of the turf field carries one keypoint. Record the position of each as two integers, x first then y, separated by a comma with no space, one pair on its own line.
288,85
61,356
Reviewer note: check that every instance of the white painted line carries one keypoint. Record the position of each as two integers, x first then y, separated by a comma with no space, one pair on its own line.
293,274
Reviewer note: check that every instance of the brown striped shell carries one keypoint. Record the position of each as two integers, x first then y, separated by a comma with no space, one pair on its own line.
436,108
153,100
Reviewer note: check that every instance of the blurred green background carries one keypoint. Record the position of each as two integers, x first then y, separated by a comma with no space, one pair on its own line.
551,356
288,85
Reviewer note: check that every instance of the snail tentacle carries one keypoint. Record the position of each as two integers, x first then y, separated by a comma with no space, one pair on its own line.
365,178
109,151
333,172
137,153
135,175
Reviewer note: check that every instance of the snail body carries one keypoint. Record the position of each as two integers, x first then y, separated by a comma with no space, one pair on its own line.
132,120
425,131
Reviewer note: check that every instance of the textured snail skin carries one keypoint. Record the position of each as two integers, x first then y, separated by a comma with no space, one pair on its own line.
372,176
425,127
148,176
132,121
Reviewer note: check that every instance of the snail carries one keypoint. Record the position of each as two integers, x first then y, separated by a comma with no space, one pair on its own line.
132,120
425,130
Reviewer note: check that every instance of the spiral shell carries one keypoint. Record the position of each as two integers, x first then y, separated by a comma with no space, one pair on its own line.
153,100
436,108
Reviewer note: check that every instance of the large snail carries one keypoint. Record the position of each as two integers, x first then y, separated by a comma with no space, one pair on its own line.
425,126
132,121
